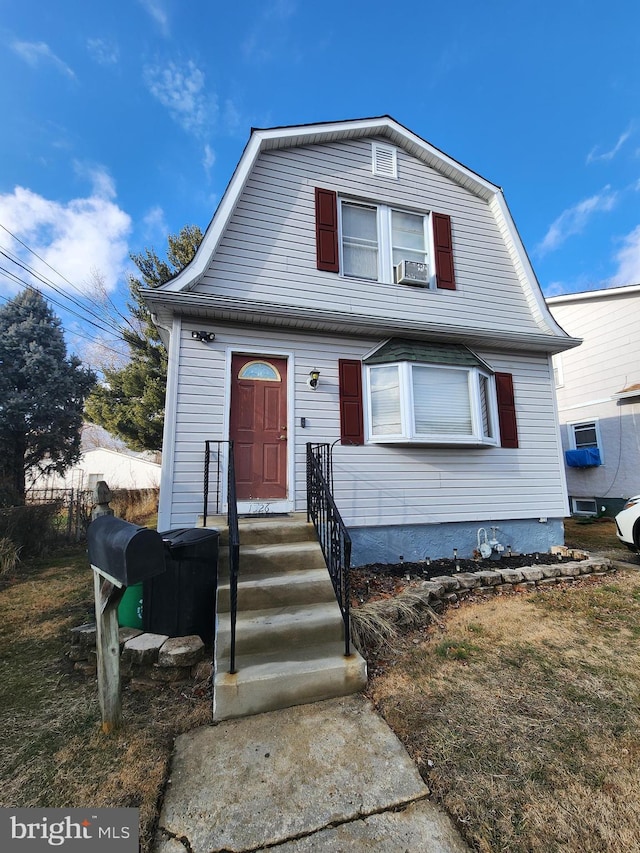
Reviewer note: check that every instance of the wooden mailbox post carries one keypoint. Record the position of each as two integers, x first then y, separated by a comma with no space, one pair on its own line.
120,554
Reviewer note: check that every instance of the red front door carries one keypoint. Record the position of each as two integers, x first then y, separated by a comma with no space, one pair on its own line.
258,426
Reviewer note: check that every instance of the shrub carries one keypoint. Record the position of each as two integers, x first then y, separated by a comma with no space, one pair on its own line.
32,529
8,555
134,505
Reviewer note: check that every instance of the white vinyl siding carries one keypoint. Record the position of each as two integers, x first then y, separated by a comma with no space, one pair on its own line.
374,484
606,362
268,251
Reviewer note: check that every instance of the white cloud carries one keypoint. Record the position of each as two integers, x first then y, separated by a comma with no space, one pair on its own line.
231,117
209,158
73,237
628,260
158,13
34,53
155,225
575,219
103,52
268,37
181,89
593,156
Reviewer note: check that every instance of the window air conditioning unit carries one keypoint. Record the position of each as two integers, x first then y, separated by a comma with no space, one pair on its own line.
412,272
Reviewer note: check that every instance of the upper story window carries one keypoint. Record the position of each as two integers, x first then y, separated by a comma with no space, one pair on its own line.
377,239
379,242
585,445
583,434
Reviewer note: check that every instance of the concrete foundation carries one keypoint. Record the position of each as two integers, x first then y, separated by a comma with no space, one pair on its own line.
415,542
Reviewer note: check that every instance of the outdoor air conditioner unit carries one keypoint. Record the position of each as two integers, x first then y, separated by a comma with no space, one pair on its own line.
412,272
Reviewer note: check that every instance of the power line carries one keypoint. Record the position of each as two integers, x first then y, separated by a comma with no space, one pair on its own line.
21,281
46,281
75,333
74,286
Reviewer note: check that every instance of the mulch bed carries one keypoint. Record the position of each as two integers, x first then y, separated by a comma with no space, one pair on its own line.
381,580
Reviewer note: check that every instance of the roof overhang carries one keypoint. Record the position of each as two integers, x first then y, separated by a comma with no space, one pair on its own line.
588,295
244,312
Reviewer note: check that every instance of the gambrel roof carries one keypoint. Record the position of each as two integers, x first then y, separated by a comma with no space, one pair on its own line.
177,296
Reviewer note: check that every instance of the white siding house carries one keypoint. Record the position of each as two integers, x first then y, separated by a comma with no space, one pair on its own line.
121,470
359,250
598,390
104,457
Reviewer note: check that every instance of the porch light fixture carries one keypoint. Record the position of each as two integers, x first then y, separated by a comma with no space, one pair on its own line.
205,337
314,376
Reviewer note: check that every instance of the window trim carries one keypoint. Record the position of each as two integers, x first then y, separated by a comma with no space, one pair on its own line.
557,370
409,435
384,234
571,435
575,511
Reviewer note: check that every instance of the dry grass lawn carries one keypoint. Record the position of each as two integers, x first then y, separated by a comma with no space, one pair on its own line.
53,753
522,714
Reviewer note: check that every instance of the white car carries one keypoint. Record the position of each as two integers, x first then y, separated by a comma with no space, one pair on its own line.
628,524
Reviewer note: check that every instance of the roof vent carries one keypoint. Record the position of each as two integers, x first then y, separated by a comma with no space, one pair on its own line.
384,160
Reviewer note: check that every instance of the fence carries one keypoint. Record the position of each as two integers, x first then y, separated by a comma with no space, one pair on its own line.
74,509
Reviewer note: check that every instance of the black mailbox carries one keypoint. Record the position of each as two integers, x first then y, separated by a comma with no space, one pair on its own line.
124,552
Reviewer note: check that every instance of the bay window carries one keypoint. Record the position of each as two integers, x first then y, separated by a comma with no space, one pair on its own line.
431,403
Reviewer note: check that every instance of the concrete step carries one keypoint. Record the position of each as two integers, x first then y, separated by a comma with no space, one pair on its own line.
265,531
270,559
283,589
280,629
266,682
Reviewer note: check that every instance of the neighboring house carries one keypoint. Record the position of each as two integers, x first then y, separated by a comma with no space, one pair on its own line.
120,467
357,251
598,390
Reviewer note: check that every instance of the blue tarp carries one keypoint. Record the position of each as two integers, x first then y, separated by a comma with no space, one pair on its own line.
587,457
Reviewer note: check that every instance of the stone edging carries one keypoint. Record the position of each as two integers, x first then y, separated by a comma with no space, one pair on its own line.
448,589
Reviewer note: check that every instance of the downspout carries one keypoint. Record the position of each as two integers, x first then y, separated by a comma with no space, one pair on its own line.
168,436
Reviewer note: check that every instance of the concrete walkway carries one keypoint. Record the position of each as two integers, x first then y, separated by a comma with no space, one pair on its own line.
321,778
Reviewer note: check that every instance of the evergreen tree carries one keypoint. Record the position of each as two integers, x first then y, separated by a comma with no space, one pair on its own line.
42,394
129,402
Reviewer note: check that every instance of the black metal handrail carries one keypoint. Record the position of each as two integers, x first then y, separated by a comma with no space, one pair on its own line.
232,525
331,530
207,477
234,553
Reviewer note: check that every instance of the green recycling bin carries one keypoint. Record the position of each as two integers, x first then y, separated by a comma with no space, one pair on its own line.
130,607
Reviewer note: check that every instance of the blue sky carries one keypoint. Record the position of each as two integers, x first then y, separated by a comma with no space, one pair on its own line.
123,121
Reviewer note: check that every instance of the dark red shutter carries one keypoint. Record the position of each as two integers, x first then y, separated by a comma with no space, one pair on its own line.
506,410
327,230
351,416
445,276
